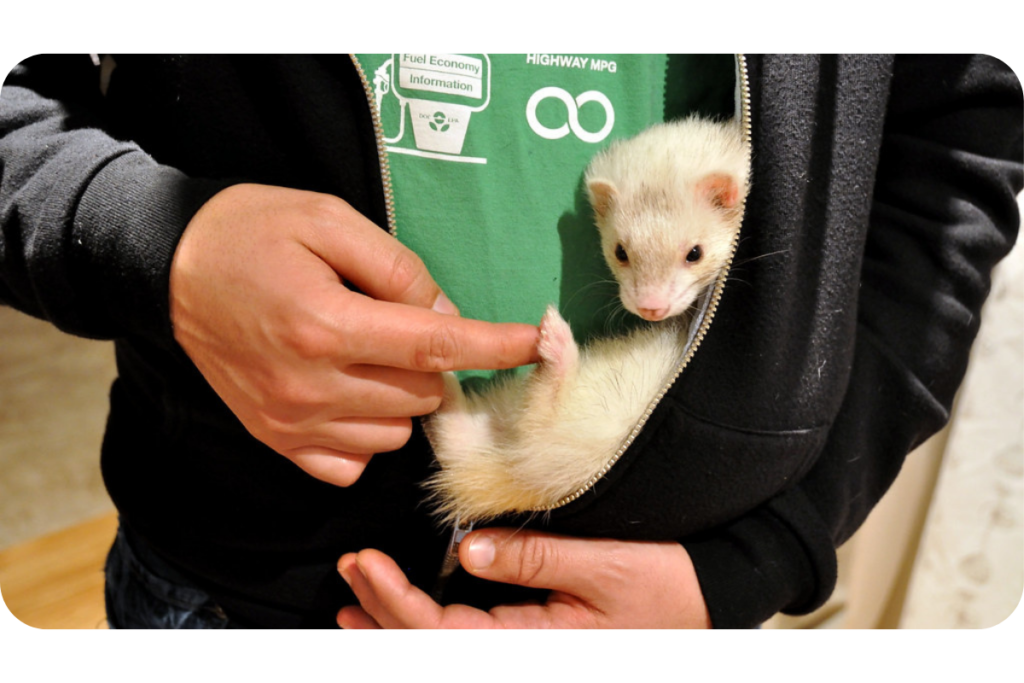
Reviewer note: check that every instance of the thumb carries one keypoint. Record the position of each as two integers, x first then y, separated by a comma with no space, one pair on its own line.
375,261
533,559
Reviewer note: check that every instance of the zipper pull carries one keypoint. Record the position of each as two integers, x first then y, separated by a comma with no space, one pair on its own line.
451,557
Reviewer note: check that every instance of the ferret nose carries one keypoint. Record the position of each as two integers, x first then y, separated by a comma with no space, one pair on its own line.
653,314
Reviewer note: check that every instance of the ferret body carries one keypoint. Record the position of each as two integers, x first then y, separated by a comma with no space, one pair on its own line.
668,205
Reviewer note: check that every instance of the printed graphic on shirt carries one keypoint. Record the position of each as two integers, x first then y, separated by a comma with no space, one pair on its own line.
572,109
437,94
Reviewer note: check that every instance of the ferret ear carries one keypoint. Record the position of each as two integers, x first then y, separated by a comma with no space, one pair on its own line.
602,195
720,190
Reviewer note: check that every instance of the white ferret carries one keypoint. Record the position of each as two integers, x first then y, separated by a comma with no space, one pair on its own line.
668,205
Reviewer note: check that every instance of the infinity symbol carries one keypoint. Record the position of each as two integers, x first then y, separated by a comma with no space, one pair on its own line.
572,109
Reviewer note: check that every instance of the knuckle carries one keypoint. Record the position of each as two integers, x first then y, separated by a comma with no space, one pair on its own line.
324,210
281,417
309,340
615,568
274,428
405,275
536,557
438,351
285,396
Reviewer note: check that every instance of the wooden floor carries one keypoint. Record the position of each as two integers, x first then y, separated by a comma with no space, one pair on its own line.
56,581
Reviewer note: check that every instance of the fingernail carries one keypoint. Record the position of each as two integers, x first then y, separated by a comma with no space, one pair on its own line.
481,553
346,573
443,305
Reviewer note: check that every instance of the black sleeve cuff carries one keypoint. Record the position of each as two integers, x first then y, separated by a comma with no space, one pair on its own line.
126,229
778,558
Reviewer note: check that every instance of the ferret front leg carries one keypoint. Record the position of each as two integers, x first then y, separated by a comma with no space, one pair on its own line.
559,359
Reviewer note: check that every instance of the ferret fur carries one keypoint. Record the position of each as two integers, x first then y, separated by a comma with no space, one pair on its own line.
527,442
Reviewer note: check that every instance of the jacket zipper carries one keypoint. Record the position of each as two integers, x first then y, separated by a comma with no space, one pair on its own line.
382,155
698,329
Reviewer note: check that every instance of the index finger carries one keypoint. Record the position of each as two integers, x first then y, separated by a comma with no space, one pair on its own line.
372,259
413,338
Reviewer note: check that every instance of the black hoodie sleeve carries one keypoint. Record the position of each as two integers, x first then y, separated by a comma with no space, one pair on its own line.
944,213
88,224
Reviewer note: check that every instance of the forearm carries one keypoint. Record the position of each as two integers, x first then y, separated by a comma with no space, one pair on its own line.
89,223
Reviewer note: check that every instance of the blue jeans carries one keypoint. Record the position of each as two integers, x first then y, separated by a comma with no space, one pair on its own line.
138,593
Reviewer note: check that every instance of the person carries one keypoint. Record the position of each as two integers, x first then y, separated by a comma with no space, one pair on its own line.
221,219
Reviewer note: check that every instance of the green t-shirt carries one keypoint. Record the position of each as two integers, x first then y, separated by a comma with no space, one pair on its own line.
487,155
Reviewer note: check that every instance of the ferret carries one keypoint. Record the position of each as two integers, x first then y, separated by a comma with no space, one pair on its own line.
668,205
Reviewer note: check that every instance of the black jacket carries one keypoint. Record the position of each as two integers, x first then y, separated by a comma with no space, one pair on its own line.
883,192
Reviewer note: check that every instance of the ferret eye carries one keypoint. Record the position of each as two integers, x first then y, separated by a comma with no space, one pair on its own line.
694,255
621,255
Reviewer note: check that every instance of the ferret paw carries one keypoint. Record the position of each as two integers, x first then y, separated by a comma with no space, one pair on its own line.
557,348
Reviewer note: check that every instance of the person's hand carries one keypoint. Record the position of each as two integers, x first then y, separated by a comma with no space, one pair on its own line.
322,374
595,583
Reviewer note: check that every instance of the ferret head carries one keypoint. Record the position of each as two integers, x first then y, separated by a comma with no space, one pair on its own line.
666,242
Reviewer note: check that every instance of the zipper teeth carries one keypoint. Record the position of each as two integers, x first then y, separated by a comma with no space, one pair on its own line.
745,121
382,155
746,127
